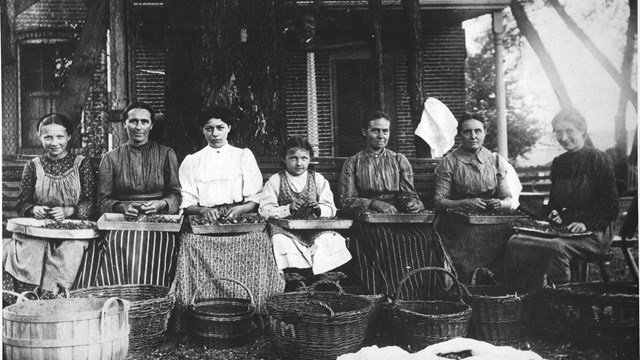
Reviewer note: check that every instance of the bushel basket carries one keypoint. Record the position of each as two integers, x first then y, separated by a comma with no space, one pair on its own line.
317,324
500,314
418,324
596,313
149,314
221,322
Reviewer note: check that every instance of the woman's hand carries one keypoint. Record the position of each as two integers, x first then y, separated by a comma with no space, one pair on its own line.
240,209
383,207
413,206
296,205
130,210
210,214
554,217
475,203
153,207
40,212
60,213
495,204
315,206
576,227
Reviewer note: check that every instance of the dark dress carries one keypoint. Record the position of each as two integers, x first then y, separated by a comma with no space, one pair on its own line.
384,253
135,173
583,190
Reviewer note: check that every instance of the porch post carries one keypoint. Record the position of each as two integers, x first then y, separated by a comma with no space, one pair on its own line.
501,99
312,104
117,47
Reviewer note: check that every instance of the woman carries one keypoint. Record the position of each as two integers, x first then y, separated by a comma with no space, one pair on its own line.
472,177
298,192
138,178
55,186
377,179
583,198
219,182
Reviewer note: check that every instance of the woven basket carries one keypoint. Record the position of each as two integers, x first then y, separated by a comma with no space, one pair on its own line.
317,324
378,301
11,297
221,322
500,314
418,324
149,314
595,312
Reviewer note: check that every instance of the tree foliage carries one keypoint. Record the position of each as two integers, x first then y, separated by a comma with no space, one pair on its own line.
523,131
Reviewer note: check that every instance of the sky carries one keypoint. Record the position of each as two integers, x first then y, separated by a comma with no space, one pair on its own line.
592,90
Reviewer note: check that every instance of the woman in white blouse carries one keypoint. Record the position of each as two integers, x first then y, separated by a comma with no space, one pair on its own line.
222,181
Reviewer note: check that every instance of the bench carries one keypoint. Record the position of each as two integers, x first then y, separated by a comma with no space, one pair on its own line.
423,169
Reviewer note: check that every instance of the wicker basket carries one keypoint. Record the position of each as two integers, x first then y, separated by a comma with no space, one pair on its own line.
595,312
11,297
500,314
221,322
149,314
317,324
418,324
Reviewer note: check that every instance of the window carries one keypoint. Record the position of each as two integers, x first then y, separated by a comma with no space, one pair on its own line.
43,70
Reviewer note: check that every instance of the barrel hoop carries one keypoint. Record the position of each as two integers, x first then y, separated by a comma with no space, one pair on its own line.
221,336
65,317
61,344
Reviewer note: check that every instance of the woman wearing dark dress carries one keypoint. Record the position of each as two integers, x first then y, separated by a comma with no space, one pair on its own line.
583,197
139,177
57,185
377,179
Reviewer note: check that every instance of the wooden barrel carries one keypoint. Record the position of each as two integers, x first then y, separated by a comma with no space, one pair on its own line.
73,329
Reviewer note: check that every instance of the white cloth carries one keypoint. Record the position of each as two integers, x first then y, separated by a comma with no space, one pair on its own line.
269,198
220,176
515,187
480,350
329,249
438,127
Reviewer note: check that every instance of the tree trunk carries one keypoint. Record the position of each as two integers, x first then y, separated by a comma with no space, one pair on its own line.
620,79
119,77
528,30
85,59
375,10
414,70
183,77
625,72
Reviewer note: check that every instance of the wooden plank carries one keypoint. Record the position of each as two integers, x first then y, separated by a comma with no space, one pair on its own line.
395,218
300,224
113,221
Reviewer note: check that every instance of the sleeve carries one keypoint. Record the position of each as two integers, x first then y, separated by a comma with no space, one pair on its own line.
606,201
503,191
444,179
251,177
172,191
188,182
86,206
106,184
553,203
26,196
325,197
269,206
407,189
350,202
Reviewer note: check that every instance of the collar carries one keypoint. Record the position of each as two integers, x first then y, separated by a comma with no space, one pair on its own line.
301,176
382,153
221,150
139,147
466,157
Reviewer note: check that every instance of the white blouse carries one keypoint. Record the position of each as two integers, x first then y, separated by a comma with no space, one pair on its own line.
217,176
269,198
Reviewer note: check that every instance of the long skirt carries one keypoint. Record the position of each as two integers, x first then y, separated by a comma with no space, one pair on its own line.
247,258
128,257
534,260
385,253
45,263
474,246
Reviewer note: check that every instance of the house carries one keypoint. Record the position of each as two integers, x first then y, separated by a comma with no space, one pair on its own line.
327,80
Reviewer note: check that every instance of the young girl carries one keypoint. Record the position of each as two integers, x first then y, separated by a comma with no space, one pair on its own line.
57,185
297,192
